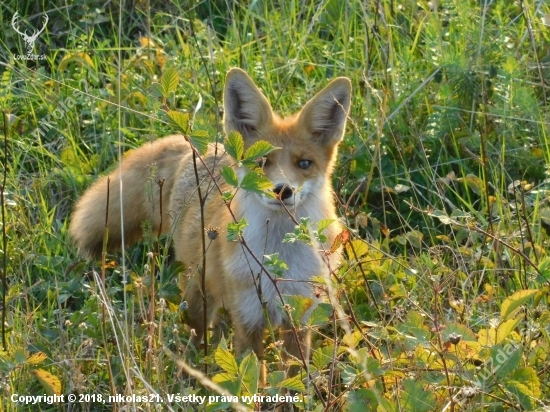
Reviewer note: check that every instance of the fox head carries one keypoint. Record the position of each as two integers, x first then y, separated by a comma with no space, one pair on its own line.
307,140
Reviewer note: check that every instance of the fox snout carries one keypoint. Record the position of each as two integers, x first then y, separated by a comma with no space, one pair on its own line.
283,191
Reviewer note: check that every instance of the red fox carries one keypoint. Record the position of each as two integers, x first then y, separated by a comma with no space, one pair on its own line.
300,171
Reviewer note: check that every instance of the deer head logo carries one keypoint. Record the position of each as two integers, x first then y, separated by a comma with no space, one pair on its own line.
29,40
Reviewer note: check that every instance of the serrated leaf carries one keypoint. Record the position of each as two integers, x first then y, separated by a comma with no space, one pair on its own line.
235,229
351,340
258,149
20,356
361,400
300,305
234,145
505,359
179,120
218,406
341,239
273,378
200,139
250,371
322,357
506,327
294,384
170,80
442,216
203,134
223,377
357,248
253,182
229,176
226,361
465,333
525,385
513,302
50,382
158,90
320,315
323,224
415,238
415,398
37,358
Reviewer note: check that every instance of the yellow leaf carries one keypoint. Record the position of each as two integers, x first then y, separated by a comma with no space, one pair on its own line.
50,383
83,58
487,337
37,358
357,248
512,303
351,340
505,328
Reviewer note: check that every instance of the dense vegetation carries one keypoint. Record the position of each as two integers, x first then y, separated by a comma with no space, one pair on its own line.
442,181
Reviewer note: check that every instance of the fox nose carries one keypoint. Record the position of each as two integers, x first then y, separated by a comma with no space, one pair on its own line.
283,191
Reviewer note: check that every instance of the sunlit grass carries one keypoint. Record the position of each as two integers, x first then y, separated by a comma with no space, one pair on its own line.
443,171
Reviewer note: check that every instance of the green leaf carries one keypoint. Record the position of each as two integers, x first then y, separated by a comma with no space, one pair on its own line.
20,356
323,224
544,267
442,216
513,302
179,120
258,149
250,371
294,384
458,329
415,398
169,81
525,385
234,145
273,378
505,359
255,183
299,306
235,229
415,238
226,361
200,139
229,176
275,265
320,315
158,90
322,356
361,400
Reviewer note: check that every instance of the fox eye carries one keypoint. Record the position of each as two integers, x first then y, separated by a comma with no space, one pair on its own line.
304,164
262,161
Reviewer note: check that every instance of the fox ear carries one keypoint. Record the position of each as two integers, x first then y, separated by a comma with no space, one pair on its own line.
245,107
326,113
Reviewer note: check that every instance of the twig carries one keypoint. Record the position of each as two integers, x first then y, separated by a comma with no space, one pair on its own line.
4,235
203,269
103,286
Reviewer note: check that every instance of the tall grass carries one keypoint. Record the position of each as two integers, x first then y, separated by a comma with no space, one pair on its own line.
443,173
